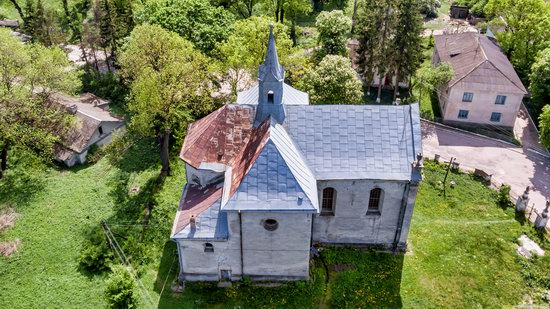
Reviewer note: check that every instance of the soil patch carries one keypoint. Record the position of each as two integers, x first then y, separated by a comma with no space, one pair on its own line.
8,248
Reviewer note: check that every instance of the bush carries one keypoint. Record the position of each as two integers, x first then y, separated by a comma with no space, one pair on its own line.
503,197
95,256
95,153
120,290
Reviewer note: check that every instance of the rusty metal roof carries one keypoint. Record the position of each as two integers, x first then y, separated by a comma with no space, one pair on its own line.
474,55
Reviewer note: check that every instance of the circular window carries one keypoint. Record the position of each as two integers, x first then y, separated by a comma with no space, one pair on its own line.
271,224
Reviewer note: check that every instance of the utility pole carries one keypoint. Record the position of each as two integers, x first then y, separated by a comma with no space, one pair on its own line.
445,179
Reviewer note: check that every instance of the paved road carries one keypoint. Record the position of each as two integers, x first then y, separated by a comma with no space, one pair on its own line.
517,166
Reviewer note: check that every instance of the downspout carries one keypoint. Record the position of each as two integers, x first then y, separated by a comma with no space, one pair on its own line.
401,218
241,237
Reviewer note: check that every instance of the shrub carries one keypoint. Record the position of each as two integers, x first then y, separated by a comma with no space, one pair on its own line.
120,290
503,197
95,255
95,153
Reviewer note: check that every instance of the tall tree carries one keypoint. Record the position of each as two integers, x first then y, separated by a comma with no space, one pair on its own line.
544,124
169,85
526,32
334,28
195,20
540,80
333,81
406,42
245,48
29,75
367,30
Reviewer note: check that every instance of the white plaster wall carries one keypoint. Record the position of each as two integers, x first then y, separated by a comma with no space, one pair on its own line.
284,252
350,223
195,264
483,104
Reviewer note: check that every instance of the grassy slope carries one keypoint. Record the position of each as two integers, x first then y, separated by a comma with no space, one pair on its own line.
463,252
44,273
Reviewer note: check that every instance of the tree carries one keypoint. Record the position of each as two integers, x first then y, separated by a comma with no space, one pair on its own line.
527,24
333,81
29,75
195,20
286,8
168,82
431,79
120,290
540,80
245,48
407,41
544,124
333,28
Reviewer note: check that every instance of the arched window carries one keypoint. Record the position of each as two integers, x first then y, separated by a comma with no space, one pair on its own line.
208,247
270,97
329,201
374,200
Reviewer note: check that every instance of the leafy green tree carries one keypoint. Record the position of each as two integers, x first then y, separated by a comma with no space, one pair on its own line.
540,79
544,124
120,291
195,20
333,81
245,48
29,75
527,24
334,28
431,79
407,41
280,9
169,85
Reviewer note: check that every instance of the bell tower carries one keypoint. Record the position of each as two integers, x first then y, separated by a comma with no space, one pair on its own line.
271,77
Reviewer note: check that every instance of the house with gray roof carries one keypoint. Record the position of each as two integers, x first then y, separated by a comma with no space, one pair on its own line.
94,125
272,176
485,89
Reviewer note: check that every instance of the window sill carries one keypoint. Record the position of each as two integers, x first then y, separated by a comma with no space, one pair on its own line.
374,213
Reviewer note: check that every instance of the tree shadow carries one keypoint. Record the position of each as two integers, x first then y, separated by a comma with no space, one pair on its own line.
130,203
19,186
137,154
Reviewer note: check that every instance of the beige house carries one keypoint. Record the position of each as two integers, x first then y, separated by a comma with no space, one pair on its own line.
94,126
485,89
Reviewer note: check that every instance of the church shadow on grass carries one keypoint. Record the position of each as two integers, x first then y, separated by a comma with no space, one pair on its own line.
364,278
357,278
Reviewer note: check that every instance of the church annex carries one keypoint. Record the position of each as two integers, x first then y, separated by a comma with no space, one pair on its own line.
272,175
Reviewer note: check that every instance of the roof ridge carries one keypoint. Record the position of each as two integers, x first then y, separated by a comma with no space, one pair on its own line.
467,73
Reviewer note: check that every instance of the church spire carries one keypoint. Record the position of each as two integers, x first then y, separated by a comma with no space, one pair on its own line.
271,76
271,62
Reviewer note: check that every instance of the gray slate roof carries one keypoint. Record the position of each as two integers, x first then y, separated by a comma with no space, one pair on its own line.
279,180
291,96
210,224
357,141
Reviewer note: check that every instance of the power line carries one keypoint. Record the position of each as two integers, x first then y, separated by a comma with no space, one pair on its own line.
120,253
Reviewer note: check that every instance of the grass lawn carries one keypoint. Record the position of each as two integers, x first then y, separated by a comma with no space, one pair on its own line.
462,248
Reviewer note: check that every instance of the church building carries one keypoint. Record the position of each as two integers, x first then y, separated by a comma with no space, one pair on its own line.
271,176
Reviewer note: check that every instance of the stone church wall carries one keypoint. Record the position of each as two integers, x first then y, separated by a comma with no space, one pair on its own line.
350,223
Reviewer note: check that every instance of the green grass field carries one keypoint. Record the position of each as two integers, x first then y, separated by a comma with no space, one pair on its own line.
462,248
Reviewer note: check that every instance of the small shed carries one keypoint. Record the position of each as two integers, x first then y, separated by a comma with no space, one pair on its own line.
459,11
